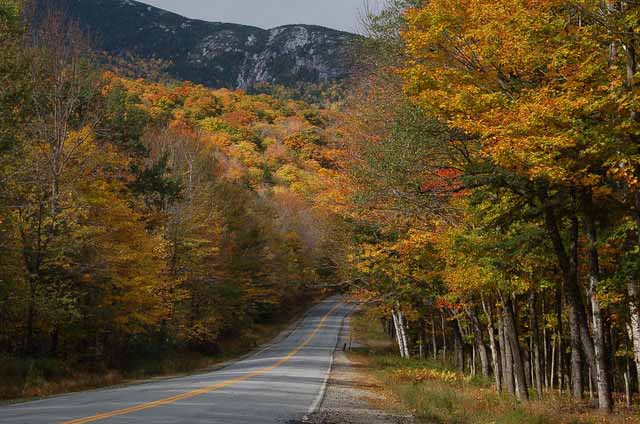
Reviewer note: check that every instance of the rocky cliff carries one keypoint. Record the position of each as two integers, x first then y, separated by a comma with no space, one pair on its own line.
211,53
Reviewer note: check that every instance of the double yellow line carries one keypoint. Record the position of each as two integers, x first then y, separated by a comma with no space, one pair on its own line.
209,389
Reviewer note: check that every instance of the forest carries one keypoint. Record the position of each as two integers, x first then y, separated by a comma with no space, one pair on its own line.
141,218
476,188
495,146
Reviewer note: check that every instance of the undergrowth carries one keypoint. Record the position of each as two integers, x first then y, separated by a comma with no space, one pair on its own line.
437,394
25,378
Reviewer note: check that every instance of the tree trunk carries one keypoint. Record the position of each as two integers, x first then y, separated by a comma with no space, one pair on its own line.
553,363
627,387
627,378
28,339
396,325
610,347
577,387
423,341
560,342
511,334
634,324
631,67
507,362
403,332
434,341
545,346
482,348
444,338
535,344
578,330
55,341
604,391
473,361
458,345
528,364
385,327
633,286
495,354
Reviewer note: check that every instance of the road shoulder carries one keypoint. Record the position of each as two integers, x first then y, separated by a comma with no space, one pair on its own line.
353,396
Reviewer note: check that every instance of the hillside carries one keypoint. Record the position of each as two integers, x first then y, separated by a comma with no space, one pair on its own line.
211,53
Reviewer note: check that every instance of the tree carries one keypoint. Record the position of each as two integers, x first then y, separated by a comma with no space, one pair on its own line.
525,108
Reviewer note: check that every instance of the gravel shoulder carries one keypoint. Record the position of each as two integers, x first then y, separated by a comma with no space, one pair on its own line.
353,397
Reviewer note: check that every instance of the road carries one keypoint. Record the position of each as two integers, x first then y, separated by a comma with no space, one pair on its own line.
279,384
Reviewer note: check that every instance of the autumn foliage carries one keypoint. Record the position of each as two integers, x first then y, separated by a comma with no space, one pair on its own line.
493,153
148,218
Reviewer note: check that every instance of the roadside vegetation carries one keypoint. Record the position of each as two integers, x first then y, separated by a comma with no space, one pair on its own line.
436,393
27,378
494,157
146,228
477,188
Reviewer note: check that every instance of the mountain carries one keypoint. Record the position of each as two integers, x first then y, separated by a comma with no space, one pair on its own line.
212,53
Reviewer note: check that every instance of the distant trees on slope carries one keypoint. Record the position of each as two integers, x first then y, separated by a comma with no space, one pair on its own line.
138,218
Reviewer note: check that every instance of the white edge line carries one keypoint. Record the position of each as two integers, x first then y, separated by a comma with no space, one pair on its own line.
323,390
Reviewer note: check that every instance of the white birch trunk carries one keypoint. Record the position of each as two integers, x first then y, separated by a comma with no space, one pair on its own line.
634,325
403,333
398,335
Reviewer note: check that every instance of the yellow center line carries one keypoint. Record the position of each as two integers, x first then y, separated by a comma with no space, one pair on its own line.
209,389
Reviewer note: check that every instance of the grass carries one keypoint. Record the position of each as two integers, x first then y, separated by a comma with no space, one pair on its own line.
436,394
23,379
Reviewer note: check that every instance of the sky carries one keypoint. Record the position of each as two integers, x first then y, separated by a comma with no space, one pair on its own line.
338,14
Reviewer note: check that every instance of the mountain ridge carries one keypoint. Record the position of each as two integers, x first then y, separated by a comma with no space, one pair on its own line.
215,54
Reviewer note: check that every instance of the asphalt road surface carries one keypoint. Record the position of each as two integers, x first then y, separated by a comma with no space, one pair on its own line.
279,384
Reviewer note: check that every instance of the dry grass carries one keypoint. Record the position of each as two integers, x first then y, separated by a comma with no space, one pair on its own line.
436,394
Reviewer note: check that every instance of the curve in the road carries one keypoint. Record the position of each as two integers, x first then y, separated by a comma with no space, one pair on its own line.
275,385
209,389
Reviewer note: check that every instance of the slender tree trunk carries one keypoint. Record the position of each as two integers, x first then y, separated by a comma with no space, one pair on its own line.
511,334
32,255
528,365
577,316
28,340
560,332
495,354
473,360
634,324
403,332
424,339
458,345
434,341
627,387
631,68
553,363
610,347
396,325
545,345
385,326
444,338
586,340
605,402
627,378
478,335
55,340
535,344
